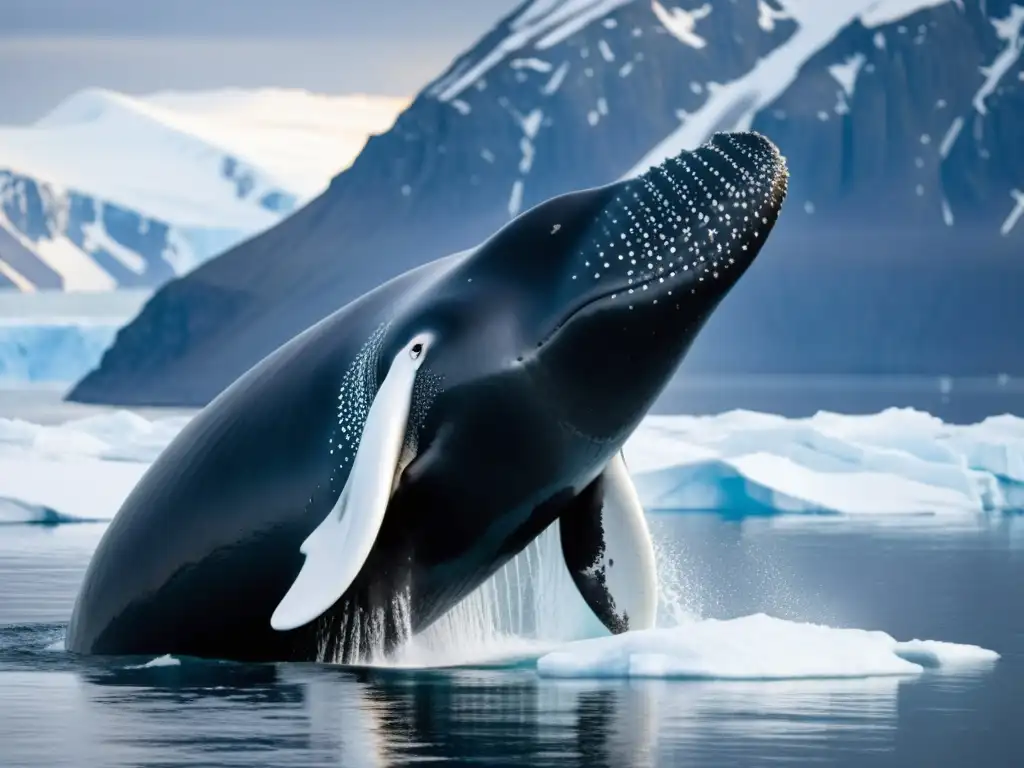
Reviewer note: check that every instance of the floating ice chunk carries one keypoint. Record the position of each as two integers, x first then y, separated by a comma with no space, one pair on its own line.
69,490
756,647
160,661
118,435
80,470
899,461
935,653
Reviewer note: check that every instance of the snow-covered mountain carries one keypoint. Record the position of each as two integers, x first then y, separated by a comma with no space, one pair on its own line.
111,191
900,249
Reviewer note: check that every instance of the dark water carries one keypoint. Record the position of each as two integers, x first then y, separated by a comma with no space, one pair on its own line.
956,582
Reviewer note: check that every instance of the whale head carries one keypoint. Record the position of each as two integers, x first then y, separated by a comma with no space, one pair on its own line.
645,264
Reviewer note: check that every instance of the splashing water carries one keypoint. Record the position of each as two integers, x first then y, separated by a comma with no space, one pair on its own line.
530,606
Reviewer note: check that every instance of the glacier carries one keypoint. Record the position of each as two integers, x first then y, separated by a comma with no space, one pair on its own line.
898,462
52,353
55,337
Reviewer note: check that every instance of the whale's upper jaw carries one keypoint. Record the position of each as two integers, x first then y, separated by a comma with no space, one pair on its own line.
661,253
713,209
685,230
699,217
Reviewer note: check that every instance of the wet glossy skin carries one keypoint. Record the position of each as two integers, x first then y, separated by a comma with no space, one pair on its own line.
553,339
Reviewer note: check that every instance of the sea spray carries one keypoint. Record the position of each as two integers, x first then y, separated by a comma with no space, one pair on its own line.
528,605
531,605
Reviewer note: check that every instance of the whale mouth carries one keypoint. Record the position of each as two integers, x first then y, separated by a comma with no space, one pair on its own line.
689,226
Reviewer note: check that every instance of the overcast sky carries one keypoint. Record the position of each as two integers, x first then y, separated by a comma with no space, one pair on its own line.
51,48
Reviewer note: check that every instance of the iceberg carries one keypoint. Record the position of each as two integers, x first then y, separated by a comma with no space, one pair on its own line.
757,647
71,490
898,462
160,661
78,471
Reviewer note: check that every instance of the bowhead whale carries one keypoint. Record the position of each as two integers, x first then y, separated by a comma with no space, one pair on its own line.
357,483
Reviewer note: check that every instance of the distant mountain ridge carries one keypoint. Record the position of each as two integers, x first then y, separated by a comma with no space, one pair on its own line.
899,249
112,191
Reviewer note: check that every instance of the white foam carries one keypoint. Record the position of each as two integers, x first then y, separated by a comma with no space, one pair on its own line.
756,647
531,613
524,610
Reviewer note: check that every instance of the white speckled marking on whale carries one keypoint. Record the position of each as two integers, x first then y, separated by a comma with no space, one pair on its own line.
684,215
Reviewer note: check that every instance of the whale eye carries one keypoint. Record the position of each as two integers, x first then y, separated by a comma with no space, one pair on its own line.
416,351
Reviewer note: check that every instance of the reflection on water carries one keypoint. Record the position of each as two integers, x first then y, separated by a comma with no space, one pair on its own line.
202,714
231,715
964,586
41,568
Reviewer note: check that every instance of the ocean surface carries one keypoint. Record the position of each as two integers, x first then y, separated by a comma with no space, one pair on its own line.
956,578
957,583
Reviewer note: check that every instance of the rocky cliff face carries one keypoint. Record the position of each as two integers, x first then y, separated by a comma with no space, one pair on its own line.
899,250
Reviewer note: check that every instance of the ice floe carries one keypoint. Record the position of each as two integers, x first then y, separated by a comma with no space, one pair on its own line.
160,661
756,647
898,462
81,470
